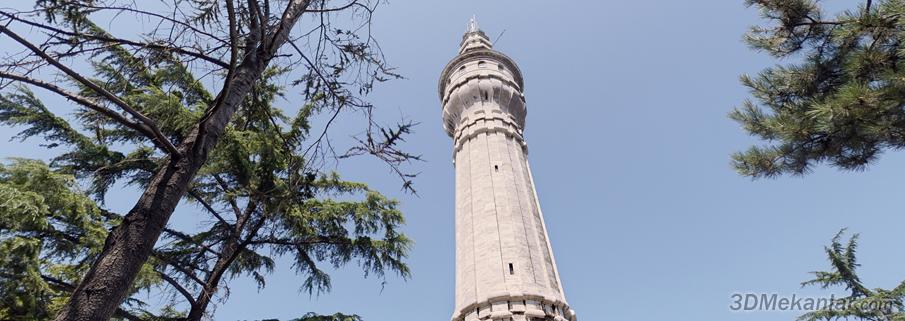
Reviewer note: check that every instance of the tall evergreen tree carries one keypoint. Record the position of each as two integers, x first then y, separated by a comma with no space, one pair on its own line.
861,303
145,117
841,101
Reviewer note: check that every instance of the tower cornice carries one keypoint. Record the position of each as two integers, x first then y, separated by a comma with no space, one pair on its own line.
477,55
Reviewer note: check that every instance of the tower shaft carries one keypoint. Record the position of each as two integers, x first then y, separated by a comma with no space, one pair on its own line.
504,263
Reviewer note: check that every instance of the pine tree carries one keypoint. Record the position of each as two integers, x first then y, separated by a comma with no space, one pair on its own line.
146,118
861,303
840,102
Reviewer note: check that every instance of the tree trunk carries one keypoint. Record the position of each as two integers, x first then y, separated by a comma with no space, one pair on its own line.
130,244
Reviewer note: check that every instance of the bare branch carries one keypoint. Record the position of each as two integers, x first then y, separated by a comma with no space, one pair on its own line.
329,88
182,290
84,101
255,30
233,39
233,57
208,207
191,275
158,136
184,237
159,16
341,8
232,200
255,59
108,39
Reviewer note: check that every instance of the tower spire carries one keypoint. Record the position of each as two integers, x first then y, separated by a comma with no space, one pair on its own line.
473,24
474,38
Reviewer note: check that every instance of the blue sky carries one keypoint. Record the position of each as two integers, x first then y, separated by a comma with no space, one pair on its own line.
629,144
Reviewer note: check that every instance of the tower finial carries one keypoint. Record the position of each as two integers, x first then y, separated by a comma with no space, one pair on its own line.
473,24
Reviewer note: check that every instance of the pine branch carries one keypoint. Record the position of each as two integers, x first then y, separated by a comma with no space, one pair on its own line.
120,41
84,101
191,240
226,191
175,22
158,136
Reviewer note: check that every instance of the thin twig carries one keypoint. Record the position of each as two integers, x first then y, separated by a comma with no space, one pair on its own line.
182,290
121,41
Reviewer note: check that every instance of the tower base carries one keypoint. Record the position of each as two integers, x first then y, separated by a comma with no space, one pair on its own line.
516,307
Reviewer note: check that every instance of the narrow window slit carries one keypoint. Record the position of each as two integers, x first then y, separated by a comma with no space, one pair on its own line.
511,269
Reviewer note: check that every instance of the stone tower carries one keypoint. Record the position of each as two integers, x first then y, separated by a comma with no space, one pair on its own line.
504,263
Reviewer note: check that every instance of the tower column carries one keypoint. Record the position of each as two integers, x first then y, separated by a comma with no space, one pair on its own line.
504,263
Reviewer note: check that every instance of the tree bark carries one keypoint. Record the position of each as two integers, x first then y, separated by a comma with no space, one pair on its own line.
130,244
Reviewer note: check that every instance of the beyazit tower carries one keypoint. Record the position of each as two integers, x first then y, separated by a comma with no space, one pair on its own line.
504,263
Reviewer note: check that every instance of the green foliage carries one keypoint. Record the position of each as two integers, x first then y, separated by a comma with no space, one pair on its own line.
335,317
258,197
317,317
22,108
840,104
861,303
49,233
